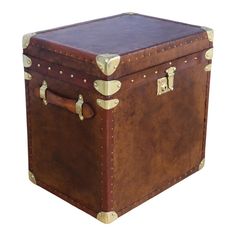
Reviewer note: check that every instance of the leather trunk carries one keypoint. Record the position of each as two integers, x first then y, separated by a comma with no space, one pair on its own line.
116,109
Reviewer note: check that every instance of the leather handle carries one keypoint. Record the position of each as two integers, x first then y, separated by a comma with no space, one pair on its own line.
79,107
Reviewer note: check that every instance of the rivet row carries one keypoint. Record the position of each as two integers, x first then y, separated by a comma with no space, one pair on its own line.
156,72
129,60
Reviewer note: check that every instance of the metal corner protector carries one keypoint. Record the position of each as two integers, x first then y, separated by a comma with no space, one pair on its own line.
210,33
107,88
32,177
209,54
108,63
27,76
107,217
201,165
107,104
26,40
27,62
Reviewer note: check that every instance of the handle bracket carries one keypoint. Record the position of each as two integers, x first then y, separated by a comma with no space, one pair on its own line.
42,92
78,107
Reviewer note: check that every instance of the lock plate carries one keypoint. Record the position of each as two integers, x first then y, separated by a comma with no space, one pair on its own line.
166,84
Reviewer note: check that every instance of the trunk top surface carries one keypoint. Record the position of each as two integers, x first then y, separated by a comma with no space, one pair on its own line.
139,41
119,34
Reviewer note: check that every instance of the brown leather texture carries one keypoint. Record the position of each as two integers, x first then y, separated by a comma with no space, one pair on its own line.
116,159
141,41
163,138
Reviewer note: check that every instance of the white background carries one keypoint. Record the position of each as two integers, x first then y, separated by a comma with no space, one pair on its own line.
203,204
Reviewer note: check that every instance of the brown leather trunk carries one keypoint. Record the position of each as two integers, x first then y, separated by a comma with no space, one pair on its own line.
116,109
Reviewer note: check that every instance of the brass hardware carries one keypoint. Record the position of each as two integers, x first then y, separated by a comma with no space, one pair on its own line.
107,104
26,40
32,177
108,63
78,107
28,76
201,165
166,84
209,54
207,67
107,88
107,217
42,92
210,33
27,61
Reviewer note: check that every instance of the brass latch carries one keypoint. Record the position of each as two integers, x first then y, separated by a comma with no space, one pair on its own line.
166,84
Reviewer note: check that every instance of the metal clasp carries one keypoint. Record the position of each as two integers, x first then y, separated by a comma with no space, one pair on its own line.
42,92
166,84
78,107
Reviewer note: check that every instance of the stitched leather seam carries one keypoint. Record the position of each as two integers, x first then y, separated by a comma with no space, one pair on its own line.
156,191
29,122
58,193
205,115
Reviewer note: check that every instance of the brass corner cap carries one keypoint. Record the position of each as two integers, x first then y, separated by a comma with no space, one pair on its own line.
107,217
201,165
32,177
209,54
210,33
108,63
107,88
27,62
26,39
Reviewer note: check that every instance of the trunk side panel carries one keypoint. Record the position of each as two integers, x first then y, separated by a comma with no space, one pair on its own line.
159,140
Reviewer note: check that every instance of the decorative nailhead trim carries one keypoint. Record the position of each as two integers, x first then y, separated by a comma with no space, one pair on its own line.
150,50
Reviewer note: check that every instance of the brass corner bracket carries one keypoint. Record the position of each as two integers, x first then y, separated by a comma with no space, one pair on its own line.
27,76
27,62
108,63
210,33
26,40
107,104
107,217
207,68
201,165
209,54
107,88
32,177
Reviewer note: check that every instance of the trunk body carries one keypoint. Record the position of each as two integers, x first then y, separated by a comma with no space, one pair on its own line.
113,123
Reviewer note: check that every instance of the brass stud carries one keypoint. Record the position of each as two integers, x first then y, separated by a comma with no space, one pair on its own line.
85,80
195,58
49,68
156,72
72,76
144,76
170,63
61,72
132,80
38,65
185,61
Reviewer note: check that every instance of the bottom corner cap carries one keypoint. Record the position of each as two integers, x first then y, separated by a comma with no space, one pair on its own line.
107,217
32,177
201,165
